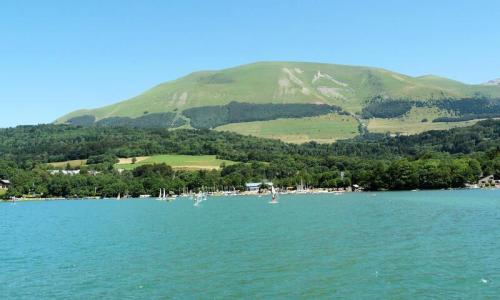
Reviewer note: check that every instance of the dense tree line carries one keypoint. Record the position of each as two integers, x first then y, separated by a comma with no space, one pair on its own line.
470,108
477,107
434,159
237,112
28,145
379,107
205,117
47,143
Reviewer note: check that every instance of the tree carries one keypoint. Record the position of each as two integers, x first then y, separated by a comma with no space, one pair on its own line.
402,175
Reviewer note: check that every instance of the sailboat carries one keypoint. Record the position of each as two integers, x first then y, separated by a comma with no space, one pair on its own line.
300,188
274,195
198,198
162,195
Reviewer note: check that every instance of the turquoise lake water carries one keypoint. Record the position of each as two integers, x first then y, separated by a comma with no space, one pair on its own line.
392,245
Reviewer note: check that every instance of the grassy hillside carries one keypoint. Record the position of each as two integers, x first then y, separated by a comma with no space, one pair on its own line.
185,162
407,127
176,161
323,129
417,120
283,99
285,82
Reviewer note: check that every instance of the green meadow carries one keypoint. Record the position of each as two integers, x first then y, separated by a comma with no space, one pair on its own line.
322,129
176,161
399,126
412,122
72,163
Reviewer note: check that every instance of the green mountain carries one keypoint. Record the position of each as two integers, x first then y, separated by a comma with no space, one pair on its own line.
265,91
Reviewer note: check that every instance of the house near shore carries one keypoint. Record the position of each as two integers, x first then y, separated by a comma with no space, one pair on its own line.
4,184
488,181
356,188
254,187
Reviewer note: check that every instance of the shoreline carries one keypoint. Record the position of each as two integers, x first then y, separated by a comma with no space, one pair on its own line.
187,197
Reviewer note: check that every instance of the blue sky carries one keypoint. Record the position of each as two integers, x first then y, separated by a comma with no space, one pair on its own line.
58,56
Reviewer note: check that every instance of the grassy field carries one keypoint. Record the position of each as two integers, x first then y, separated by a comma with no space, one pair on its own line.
402,127
185,162
2,192
72,163
176,161
323,129
412,122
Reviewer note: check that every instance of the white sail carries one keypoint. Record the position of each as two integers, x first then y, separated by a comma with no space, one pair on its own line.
197,198
162,195
274,195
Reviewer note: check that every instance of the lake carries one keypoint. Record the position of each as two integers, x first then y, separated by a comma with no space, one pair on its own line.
384,245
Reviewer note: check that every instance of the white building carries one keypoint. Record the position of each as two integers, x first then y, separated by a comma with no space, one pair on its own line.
64,172
255,186
488,181
4,184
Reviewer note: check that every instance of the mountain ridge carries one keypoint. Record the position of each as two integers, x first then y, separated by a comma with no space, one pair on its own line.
284,82
493,82
252,93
